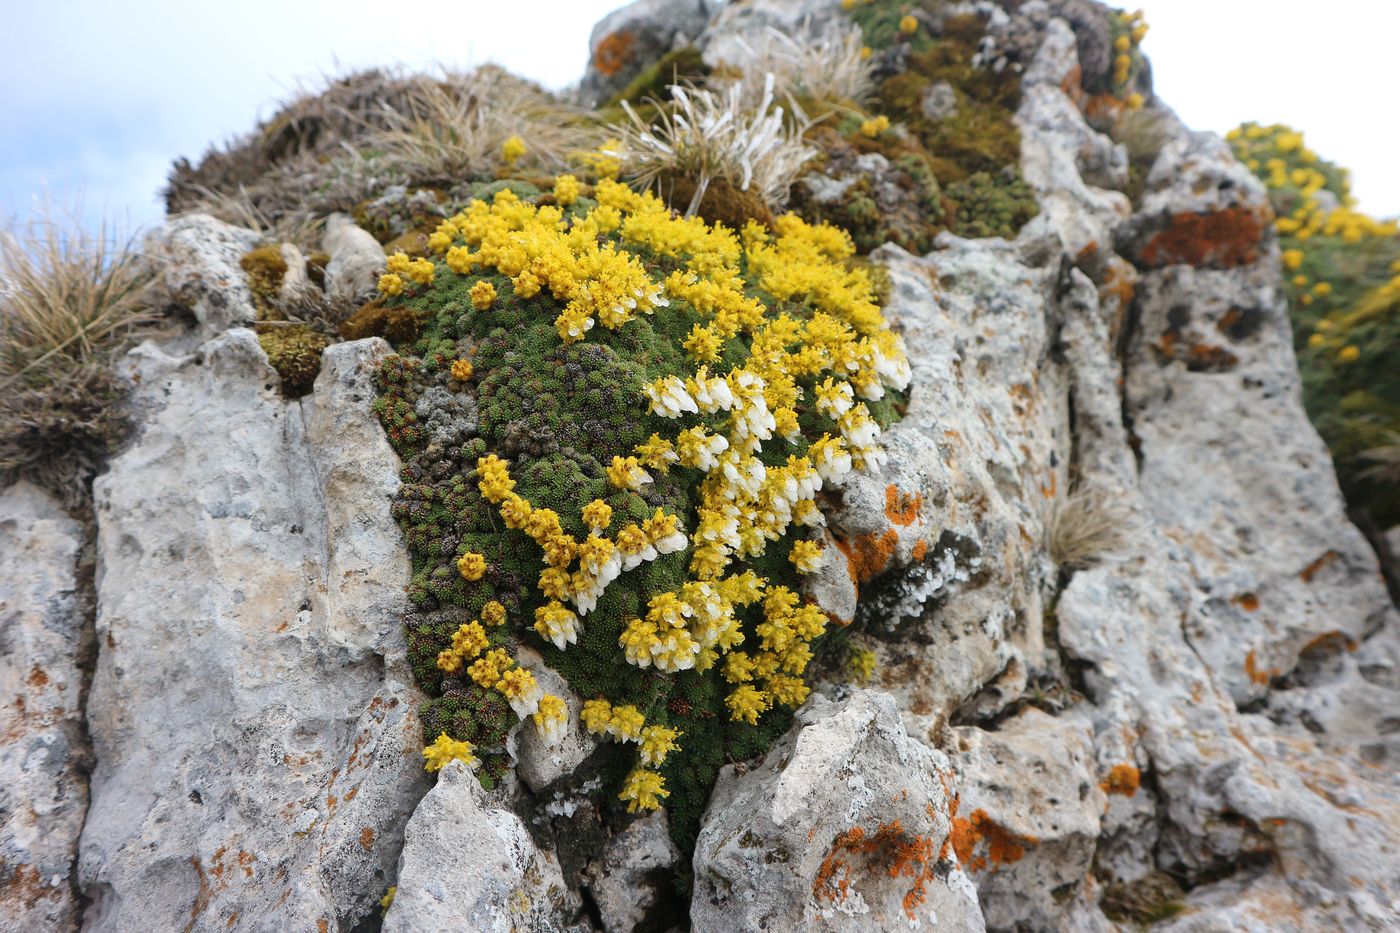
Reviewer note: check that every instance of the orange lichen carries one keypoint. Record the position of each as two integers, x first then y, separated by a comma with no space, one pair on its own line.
868,555
1003,847
1122,779
902,508
367,838
1225,238
613,52
1257,674
1311,570
920,549
893,848
1249,602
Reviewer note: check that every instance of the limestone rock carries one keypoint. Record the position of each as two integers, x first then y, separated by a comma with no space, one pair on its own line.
356,260
624,882
469,866
537,763
844,825
631,39
252,715
954,519
196,259
1056,145
43,746
1027,817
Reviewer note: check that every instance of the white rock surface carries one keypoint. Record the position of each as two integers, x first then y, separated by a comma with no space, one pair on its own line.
196,259
631,877
252,715
538,763
356,260
469,866
635,37
43,745
844,825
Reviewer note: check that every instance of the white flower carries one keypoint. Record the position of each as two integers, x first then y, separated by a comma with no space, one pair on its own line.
669,399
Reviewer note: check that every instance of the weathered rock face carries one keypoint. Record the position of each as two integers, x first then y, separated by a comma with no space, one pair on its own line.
1199,725
252,714
846,824
469,866
43,743
631,39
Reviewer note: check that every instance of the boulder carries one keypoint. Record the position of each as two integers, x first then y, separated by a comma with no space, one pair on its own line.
44,753
252,713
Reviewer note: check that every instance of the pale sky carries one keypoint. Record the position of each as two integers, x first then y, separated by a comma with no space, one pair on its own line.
97,97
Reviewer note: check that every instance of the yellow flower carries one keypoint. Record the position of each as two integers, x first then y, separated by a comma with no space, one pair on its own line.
566,190
390,283
493,613
848,4
483,295
551,718
597,515
462,370
596,715
445,750
1292,259
657,743
512,150
746,703
421,271
1316,340
449,661
643,790
1349,354
865,52
472,566
627,473
1135,101
397,263
862,663
908,25
626,723
1322,288
1122,43
805,556
469,640
1300,281
874,127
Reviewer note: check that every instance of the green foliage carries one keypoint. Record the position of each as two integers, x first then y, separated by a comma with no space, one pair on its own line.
1342,279
558,413
992,205
295,352
955,137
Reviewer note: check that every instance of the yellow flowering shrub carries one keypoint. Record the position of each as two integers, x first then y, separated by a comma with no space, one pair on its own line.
1343,285
660,400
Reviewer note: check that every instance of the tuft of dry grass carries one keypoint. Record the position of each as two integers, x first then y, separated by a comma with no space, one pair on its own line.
332,149
448,131
824,68
1088,524
705,136
70,301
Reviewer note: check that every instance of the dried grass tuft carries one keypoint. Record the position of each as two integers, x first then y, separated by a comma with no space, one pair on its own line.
70,301
705,136
1089,524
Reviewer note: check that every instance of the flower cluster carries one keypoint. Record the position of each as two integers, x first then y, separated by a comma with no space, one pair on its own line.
781,358
1130,29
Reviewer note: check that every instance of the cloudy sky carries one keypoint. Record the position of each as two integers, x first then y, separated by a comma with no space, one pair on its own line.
98,97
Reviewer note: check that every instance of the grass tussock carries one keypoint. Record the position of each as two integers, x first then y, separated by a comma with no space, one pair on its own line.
1087,525
334,148
706,137
70,300
824,70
